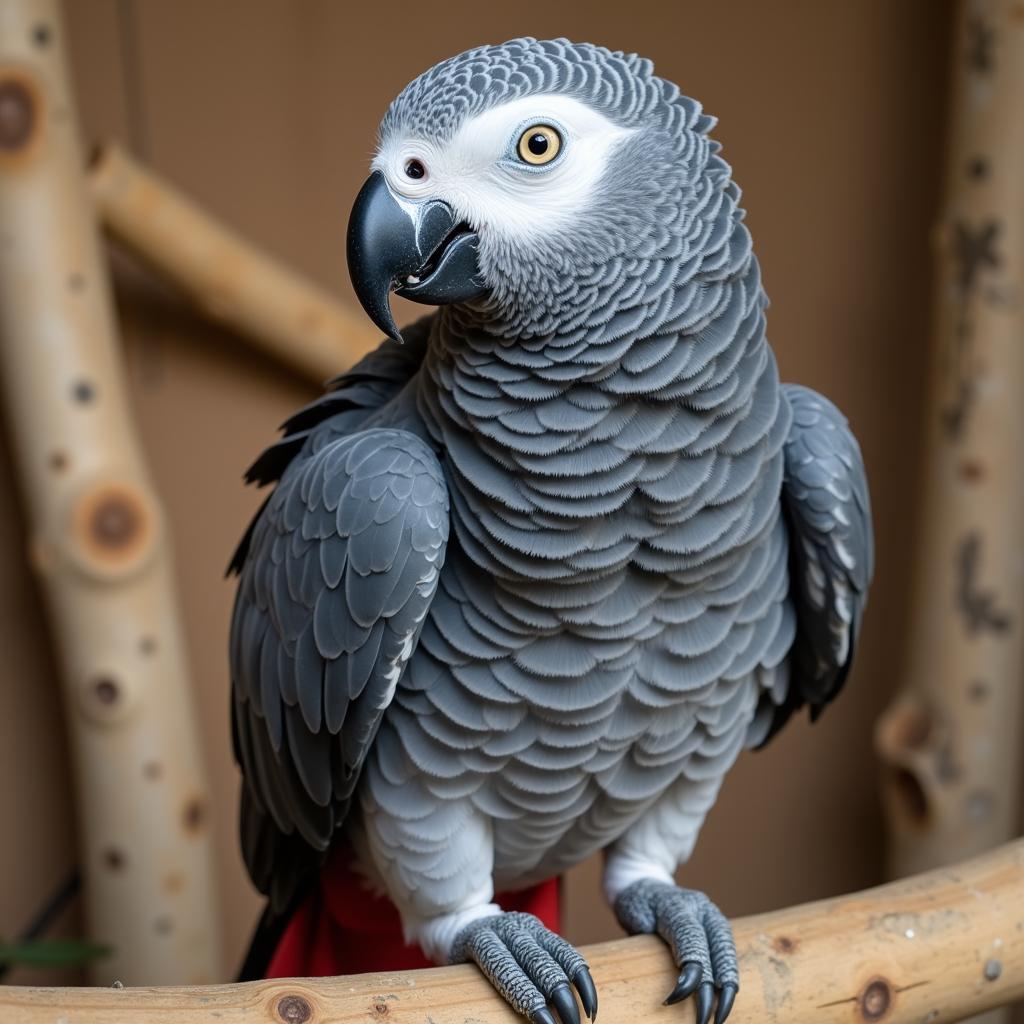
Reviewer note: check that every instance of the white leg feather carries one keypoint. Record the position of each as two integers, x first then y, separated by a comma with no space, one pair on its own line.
662,839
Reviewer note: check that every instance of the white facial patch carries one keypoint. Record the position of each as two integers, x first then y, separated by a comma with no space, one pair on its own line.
479,174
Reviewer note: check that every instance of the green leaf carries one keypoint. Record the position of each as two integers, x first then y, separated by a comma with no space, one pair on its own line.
52,953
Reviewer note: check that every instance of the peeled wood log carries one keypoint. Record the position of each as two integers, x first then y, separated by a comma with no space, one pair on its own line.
97,537
951,742
938,947
229,279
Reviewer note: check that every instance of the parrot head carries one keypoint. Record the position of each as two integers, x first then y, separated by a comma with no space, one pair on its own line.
532,183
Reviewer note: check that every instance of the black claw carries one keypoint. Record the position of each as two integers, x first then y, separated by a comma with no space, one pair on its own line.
725,1000
588,994
543,1016
565,1003
705,995
688,982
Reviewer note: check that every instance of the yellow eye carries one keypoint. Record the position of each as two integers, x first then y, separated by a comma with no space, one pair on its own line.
539,144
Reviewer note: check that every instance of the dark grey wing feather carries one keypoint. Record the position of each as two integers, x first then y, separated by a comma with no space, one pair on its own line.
828,514
342,566
351,398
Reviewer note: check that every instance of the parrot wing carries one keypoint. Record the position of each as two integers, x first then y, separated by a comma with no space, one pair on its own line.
342,564
828,515
351,398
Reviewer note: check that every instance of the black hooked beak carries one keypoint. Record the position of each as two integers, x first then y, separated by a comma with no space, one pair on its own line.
414,248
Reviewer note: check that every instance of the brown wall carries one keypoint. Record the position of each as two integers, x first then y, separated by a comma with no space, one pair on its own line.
831,115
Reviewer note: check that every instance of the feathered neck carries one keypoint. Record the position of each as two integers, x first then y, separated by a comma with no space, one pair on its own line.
599,440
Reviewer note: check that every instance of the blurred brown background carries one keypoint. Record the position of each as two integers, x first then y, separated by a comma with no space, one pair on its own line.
265,110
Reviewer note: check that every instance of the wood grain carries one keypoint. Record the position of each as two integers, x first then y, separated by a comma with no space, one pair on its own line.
935,948
951,741
233,282
97,539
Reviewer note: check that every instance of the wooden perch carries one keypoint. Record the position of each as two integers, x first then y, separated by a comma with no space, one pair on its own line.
229,279
934,948
951,742
97,537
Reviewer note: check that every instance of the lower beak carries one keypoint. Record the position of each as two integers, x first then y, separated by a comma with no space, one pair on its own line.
417,249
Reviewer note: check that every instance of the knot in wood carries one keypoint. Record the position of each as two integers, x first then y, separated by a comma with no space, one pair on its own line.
17,115
113,529
84,391
115,522
909,795
106,699
113,859
876,1000
193,816
294,1009
915,728
107,691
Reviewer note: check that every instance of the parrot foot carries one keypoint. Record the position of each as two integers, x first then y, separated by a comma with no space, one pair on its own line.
700,937
533,969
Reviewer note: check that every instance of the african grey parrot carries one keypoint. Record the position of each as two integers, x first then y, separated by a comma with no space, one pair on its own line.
538,569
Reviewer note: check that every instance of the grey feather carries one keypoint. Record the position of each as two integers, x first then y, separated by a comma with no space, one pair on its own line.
327,663
832,552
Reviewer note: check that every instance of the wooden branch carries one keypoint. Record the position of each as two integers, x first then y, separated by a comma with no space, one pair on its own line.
97,536
229,279
934,948
951,742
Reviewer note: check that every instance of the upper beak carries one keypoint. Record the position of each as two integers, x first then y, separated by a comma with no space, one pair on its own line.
416,248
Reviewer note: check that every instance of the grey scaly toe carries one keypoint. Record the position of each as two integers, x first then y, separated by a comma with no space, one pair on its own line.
700,938
532,968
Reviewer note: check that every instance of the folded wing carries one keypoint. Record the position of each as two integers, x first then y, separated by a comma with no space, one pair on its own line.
341,567
828,516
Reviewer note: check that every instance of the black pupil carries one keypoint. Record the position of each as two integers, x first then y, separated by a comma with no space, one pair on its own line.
414,169
537,144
